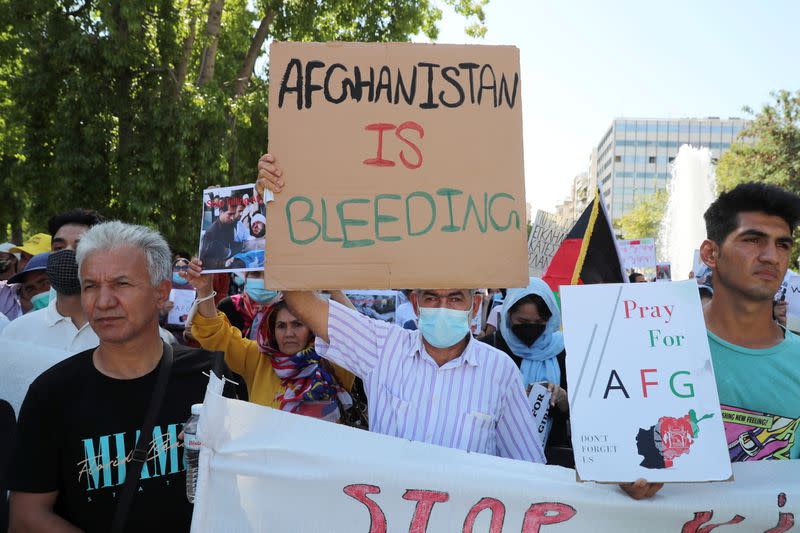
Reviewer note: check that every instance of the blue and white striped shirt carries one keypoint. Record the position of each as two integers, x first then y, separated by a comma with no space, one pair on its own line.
475,402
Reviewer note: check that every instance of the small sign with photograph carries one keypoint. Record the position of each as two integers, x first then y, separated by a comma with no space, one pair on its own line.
233,228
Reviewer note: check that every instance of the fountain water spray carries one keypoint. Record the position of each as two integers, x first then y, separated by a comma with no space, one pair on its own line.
693,188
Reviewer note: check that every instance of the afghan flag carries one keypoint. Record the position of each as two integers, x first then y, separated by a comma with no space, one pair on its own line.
588,253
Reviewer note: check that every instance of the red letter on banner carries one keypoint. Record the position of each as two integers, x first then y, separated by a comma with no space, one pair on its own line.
377,520
425,500
545,513
498,515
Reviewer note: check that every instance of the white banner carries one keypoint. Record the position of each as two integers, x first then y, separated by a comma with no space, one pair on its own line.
267,470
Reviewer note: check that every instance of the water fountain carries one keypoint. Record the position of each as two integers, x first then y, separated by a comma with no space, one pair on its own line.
693,188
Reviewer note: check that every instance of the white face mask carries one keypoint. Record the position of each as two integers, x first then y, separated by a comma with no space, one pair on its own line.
443,327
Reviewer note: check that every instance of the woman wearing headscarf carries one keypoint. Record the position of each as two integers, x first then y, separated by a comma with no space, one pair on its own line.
245,311
529,333
280,367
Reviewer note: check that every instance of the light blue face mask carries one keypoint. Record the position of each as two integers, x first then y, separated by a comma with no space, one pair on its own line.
254,287
40,301
178,280
443,327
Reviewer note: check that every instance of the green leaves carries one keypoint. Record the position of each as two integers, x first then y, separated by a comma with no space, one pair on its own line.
768,149
100,107
644,220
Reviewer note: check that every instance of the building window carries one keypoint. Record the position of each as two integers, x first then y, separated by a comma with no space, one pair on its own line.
671,159
617,158
651,159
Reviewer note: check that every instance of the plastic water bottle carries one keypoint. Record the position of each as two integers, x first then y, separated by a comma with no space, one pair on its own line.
191,451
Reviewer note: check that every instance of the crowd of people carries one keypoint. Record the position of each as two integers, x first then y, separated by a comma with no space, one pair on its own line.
86,302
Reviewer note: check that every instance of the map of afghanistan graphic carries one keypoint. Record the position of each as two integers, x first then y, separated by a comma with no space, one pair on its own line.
668,439
753,436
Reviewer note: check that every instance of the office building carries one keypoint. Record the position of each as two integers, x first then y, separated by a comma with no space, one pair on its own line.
633,158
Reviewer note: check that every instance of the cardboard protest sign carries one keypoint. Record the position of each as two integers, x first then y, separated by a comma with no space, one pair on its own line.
233,229
637,254
547,234
642,394
403,166
182,300
375,304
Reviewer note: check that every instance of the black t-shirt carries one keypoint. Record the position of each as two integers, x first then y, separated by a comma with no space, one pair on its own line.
78,426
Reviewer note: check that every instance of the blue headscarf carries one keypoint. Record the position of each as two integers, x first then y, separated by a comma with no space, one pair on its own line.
539,362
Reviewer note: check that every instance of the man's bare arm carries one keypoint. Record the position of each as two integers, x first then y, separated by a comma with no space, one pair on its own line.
311,310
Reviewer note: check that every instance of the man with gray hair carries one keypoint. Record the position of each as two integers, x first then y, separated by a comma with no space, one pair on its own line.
81,419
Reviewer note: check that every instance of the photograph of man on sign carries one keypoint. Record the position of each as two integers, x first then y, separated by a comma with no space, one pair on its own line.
233,229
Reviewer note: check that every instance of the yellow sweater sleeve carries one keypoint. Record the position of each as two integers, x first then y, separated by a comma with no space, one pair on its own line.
345,378
241,354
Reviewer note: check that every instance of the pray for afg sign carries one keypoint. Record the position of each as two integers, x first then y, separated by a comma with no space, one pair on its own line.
403,166
642,395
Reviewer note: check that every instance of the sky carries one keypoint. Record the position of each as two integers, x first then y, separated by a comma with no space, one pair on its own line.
584,63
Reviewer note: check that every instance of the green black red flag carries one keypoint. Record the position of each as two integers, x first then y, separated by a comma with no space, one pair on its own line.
588,253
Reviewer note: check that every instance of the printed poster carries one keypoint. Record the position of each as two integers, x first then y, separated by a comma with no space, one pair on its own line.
753,436
233,228
375,304
547,233
539,400
642,394
182,300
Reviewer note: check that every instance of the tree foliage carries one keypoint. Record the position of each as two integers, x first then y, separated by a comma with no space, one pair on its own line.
133,107
768,149
644,220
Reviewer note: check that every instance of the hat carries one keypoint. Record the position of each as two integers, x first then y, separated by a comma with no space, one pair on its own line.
37,244
258,217
37,262
6,248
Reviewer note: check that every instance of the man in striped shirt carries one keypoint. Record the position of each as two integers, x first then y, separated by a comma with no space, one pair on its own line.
461,394
436,384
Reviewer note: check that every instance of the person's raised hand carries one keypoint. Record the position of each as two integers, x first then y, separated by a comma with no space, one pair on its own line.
641,489
202,283
270,175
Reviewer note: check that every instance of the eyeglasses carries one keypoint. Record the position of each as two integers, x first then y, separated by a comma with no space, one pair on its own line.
180,265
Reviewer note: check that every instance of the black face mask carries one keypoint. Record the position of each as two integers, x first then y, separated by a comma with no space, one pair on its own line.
528,333
62,271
